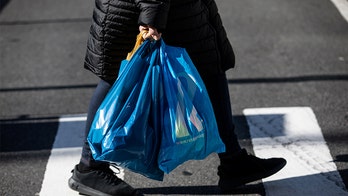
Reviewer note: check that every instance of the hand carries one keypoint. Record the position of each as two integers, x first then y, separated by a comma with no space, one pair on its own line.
151,34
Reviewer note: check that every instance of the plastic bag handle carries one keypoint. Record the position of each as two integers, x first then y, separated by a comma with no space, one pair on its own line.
138,42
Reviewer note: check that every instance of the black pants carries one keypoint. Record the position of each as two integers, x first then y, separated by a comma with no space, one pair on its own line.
217,87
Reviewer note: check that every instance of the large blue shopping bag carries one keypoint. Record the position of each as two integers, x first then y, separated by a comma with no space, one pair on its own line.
126,129
189,128
157,115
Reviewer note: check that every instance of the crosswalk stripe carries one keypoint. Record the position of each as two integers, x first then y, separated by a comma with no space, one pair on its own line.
342,6
294,134
65,153
58,170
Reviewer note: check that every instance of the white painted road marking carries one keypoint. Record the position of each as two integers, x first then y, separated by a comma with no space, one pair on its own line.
65,154
294,134
342,6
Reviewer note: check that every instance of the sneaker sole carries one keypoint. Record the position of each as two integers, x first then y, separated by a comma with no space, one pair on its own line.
85,190
231,184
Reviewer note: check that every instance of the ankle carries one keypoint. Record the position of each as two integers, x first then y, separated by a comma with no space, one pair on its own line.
83,167
233,155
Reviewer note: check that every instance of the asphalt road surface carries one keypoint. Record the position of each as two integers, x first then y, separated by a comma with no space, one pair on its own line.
288,91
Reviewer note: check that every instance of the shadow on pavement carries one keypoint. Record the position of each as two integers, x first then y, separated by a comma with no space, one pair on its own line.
311,78
341,158
203,190
3,3
324,183
27,134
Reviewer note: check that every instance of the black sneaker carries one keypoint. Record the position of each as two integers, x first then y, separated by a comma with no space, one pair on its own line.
101,182
235,171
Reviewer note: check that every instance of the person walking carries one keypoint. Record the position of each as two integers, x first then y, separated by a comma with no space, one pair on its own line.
192,24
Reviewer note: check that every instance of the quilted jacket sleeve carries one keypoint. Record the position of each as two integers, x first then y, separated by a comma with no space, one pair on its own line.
153,13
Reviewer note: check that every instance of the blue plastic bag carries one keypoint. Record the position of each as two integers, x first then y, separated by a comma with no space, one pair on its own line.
124,130
189,128
157,115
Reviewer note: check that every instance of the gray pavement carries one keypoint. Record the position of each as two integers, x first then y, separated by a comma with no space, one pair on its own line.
42,47
289,53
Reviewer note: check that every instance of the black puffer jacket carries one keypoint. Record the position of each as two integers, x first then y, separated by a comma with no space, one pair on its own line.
191,24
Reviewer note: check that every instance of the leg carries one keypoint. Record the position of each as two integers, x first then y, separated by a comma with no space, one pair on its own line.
100,92
237,167
217,88
91,177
